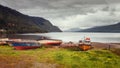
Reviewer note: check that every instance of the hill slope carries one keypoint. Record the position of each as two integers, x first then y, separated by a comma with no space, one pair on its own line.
108,28
15,22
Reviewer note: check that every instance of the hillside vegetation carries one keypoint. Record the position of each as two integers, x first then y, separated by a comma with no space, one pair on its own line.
15,22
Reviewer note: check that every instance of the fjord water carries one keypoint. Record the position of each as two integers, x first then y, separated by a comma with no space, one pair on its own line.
76,36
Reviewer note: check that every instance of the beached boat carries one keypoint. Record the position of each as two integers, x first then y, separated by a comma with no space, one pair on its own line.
3,41
23,45
50,42
85,44
85,47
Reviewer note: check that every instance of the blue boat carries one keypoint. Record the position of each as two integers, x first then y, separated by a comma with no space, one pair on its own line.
23,45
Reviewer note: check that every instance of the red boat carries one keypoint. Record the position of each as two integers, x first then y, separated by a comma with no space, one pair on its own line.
24,45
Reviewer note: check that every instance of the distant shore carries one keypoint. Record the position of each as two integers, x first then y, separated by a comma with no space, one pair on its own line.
20,36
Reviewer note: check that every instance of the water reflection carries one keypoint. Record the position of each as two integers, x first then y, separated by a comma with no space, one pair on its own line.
76,36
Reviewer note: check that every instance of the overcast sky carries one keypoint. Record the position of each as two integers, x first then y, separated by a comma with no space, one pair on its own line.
68,14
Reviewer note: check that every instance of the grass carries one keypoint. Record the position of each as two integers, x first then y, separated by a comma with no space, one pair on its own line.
63,58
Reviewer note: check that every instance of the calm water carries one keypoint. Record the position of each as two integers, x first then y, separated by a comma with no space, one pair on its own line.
76,36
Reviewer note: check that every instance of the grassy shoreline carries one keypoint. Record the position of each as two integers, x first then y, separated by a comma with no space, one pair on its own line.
57,58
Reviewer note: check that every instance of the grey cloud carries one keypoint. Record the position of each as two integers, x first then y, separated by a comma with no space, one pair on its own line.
70,13
18,4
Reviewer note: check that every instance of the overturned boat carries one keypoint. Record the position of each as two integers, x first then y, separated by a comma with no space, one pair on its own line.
25,44
50,42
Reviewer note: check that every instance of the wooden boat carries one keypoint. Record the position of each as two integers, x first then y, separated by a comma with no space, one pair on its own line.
85,47
85,44
24,45
50,42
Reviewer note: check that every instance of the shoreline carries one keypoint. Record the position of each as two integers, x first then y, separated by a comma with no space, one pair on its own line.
96,45
100,45
51,57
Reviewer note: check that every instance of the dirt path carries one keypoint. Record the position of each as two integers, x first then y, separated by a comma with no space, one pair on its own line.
98,45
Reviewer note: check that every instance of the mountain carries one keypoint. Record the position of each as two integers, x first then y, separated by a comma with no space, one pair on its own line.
73,30
107,28
15,22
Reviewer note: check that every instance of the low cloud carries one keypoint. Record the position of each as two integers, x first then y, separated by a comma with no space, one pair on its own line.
99,18
68,14
90,16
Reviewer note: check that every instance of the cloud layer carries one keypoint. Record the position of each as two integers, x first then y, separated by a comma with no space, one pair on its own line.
68,14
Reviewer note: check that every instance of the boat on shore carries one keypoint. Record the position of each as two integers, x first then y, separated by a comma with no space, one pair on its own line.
3,41
85,44
25,44
50,42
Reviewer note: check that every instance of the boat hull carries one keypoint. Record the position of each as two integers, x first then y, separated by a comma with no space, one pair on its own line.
53,43
50,42
85,47
25,47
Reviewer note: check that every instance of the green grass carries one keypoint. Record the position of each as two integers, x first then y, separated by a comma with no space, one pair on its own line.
64,58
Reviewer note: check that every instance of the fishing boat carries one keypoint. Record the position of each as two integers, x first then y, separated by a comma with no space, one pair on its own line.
85,44
24,45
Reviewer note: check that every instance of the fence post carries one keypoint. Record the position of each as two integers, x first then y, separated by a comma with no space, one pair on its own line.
109,47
